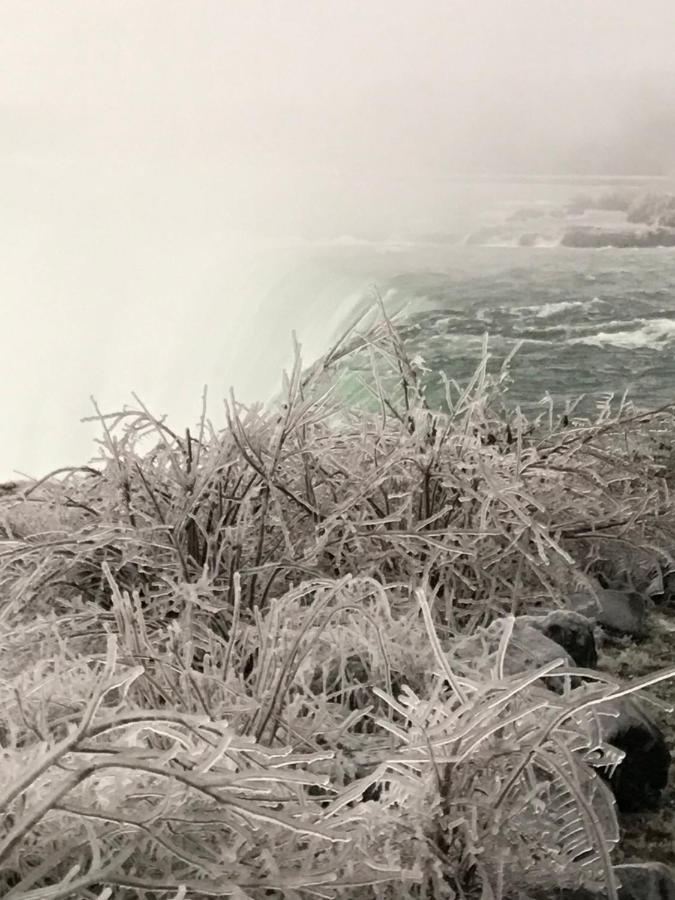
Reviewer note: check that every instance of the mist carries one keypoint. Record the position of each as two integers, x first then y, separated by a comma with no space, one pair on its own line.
162,162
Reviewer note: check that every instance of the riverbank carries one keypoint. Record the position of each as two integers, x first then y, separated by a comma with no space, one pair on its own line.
299,638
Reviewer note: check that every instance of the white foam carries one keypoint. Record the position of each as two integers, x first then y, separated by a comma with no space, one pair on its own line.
487,242
544,243
552,309
514,242
654,334
545,310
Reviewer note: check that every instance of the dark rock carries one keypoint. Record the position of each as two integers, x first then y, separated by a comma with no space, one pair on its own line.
622,611
589,237
528,239
653,209
642,775
530,649
573,632
668,596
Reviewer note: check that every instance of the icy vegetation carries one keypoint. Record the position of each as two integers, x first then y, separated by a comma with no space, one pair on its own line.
269,661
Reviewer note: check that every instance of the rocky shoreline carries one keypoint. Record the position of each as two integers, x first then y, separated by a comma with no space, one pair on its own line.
452,623
593,237
622,221
607,628
648,834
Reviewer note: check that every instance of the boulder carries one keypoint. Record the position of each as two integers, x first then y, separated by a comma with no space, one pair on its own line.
642,775
653,209
622,611
571,631
639,779
530,649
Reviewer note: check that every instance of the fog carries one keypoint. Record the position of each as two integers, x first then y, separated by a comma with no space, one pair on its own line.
162,162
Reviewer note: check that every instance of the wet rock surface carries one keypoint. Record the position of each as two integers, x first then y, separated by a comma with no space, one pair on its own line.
642,776
624,612
640,779
650,834
571,631
644,783
528,649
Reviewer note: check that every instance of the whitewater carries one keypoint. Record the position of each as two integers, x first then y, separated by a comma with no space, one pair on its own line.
218,309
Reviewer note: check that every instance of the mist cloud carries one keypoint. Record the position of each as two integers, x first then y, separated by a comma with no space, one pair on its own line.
145,147
326,87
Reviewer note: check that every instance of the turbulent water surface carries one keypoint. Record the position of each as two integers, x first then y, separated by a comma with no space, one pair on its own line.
588,321
173,311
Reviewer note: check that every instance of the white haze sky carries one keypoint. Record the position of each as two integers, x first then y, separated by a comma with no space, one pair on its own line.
148,148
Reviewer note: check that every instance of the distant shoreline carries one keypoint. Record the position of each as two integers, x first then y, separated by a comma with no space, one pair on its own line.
516,178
